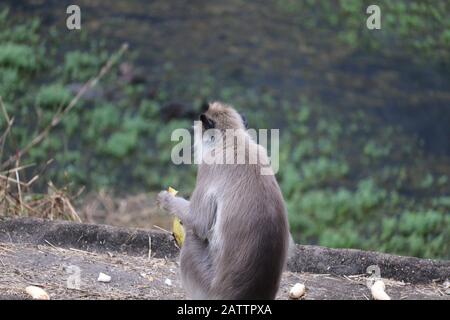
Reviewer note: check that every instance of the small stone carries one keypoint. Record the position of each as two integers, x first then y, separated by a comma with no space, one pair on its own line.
103,277
446,284
37,293
168,282
297,291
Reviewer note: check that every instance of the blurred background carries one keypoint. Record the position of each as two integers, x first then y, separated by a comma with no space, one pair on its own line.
364,115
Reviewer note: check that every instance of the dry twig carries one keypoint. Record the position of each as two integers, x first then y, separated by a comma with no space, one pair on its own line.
15,198
61,113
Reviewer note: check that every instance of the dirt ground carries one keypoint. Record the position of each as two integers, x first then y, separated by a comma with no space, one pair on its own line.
141,277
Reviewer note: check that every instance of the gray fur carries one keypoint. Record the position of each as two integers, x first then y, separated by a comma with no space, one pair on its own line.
237,233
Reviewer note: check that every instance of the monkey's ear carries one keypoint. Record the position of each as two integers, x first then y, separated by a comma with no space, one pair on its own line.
244,120
207,123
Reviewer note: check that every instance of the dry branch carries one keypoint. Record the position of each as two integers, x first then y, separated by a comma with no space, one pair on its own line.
60,114
15,198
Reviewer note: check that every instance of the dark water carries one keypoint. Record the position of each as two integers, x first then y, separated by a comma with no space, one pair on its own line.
251,44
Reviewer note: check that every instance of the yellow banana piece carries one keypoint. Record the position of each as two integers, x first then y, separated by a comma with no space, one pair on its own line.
177,226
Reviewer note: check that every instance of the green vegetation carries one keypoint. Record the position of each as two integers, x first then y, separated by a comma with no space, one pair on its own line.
420,28
346,181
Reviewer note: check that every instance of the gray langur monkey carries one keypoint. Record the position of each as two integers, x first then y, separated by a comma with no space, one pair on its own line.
237,232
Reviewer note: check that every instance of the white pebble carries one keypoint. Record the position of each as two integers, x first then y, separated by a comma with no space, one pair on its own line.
297,291
168,282
103,277
37,293
378,292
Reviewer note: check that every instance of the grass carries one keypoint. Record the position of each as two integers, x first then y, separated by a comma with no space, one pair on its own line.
348,181
17,200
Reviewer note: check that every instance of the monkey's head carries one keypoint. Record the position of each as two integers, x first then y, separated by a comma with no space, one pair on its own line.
217,115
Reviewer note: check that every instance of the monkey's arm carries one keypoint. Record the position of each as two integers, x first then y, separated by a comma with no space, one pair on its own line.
204,219
201,223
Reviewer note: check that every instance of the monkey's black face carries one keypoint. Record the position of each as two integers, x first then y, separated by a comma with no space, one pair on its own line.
208,123
221,117
244,120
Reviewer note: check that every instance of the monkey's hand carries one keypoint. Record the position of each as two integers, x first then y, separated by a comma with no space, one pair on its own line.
164,200
173,205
